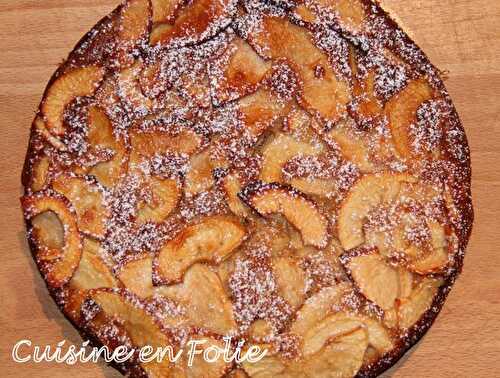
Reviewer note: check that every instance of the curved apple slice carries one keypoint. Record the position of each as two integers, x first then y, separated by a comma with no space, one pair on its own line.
196,22
232,186
142,328
130,91
211,240
60,264
165,10
370,191
401,111
164,197
87,199
40,125
238,72
199,177
92,272
378,281
301,212
208,306
278,151
68,86
412,308
291,280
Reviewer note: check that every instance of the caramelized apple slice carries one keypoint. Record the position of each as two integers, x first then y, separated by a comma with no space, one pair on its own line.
142,328
130,91
238,73
278,151
196,22
438,258
87,198
315,186
412,308
401,112
199,177
259,110
92,272
302,213
40,126
378,281
101,137
232,186
165,10
39,173
321,93
291,280
57,265
369,192
207,305
211,240
164,195
67,87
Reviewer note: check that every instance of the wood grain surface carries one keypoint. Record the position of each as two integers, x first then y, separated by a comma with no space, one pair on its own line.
461,37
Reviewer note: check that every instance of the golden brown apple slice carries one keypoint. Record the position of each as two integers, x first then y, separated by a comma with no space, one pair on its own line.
301,212
130,91
259,110
65,88
40,126
207,305
165,10
278,151
315,186
321,93
101,137
163,199
370,191
197,21
136,275
401,111
39,170
199,177
378,281
58,265
92,272
438,258
291,280
232,186
142,328
211,240
238,73
87,198
412,308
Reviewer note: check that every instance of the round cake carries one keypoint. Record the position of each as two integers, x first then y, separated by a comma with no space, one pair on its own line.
286,176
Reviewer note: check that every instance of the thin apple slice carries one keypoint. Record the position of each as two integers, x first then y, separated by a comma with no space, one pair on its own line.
211,240
164,195
68,86
401,111
291,280
199,20
278,151
142,328
238,72
301,212
136,275
59,265
438,258
88,200
207,305
370,191
232,186
130,92
378,281
39,170
315,186
199,177
92,272
412,308
41,127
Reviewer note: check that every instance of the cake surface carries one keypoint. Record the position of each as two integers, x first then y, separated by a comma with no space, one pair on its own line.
290,174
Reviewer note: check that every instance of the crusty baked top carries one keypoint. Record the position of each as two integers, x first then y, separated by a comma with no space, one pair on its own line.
292,174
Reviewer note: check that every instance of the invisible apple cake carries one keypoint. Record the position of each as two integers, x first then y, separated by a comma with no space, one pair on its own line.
292,174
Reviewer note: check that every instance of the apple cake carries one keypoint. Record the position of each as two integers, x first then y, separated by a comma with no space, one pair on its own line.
286,174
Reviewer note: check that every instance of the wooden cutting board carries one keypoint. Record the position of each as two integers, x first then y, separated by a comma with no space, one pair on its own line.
462,37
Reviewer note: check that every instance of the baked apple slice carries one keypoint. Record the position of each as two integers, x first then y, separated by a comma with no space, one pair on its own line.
401,111
208,306
67,87
291,280
211,240
41,127
142,328
164,11
197,21
301,212
231,186
370,191
59,259
136,275
199,177
378,281
279,150
238,72
87,198
163,197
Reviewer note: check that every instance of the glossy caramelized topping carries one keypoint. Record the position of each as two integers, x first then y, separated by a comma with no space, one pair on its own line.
290,174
